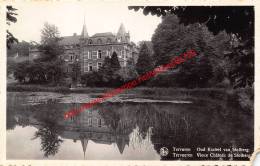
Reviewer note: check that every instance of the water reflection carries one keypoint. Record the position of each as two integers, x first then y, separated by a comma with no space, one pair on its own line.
142,129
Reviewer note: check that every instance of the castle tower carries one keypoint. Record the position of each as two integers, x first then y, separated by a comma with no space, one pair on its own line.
121,31
84,33
84,143
121,35
120,142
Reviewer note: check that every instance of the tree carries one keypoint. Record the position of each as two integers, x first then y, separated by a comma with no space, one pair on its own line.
39,72
195,73
128,72
49,33
50,140
22,48
144,62
92,79
50,61
20,71
36,72
237,21
115,65
221,64
10,17
75,71
50,43
171,39
54,71
106,70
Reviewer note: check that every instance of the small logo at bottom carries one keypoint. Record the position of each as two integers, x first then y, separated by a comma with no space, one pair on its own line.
164,151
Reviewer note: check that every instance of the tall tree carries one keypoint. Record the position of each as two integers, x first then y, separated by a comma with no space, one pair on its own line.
171,39
144,62
106,70
50,42
235,20
115,65
49,33
128,72
238,20
10,18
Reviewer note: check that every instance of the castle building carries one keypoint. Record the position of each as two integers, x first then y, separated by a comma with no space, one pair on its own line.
90,51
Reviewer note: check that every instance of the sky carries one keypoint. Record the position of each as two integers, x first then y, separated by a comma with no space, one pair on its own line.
69,18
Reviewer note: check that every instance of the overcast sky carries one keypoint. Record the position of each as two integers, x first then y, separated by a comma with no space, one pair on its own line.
69,18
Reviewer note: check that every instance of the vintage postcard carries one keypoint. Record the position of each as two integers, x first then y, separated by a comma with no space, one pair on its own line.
129,83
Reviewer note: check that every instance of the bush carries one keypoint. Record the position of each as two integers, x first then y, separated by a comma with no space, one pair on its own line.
37,88
39,72
91,79
163,80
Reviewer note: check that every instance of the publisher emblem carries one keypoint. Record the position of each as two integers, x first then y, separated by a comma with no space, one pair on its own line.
164,151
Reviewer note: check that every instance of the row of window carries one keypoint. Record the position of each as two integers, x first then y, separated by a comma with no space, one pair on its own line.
98,54
90,66
90,121
92,55
99,41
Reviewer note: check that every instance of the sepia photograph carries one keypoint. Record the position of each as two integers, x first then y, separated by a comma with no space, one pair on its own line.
122,82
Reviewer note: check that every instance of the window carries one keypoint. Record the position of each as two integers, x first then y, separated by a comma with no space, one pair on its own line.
94,54
90,68
99,122
108,40
99,41
71,57
90,42
84,118
85,66
89,55
99,54
99,65
85,61
89,122
108,53
85,55
122,53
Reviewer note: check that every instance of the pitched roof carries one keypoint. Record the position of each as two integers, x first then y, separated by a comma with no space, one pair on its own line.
105,34
121,30
84,33
68,40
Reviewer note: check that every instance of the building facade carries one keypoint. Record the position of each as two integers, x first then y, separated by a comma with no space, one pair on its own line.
90,51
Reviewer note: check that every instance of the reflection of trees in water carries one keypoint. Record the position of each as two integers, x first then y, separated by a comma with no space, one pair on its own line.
138,140
49,116
15,113
50,140
10,121
165,125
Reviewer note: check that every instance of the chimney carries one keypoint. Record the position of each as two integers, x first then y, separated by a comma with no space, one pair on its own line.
74,34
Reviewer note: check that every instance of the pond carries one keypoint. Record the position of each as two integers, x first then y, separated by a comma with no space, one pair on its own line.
124,130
